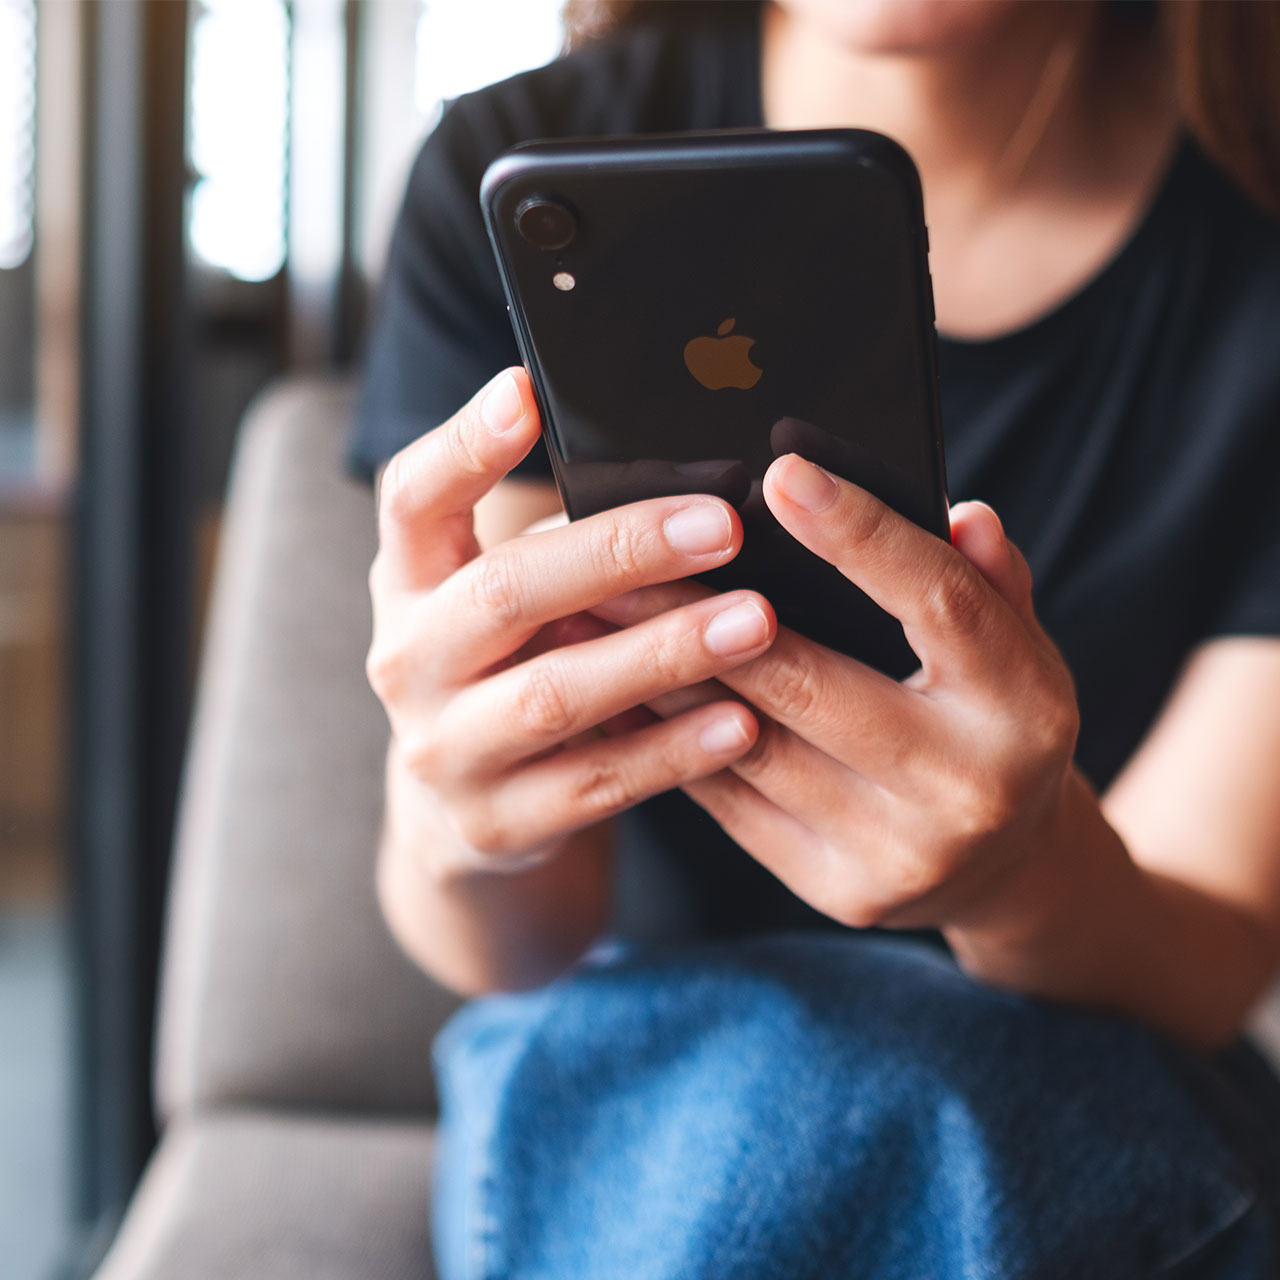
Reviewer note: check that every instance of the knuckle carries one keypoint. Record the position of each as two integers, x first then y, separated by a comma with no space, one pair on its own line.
603,788
395,502
898,751
867,522
957,602
494,588
664,657
1021,572
1050,739
858,911
984,807
479,826
919,873
386,669
1046,724
619,550
789,686
541,705
1059,721
893,881
458,442
421,751
380,670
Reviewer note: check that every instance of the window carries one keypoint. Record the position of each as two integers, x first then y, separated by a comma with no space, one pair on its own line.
17,130
416,58
460,45
239,135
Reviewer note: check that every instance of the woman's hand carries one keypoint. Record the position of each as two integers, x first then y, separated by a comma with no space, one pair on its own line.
951,801
490,673
911,804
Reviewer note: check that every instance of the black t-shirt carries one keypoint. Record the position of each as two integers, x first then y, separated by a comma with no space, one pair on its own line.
1129,439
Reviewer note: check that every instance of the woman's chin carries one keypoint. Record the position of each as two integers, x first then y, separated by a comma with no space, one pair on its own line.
904,28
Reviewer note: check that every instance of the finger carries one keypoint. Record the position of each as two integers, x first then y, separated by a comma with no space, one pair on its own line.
843,707
629,721
647,602
493,603
829,798
776,839
978,535
575,629
428,490
581,627
860,717
527,709
575,788
557,521
667,705
956,623
829,875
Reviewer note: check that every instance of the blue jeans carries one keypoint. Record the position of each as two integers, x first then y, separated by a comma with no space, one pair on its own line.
829,1105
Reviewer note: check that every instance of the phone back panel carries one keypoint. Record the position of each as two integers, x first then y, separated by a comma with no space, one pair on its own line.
736,296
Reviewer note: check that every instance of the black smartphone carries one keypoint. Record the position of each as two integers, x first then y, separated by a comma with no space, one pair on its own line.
690,307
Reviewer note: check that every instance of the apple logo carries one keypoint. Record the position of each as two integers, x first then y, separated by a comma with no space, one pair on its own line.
722,361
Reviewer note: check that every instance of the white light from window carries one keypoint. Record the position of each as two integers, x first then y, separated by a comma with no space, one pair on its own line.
315,180
239,135
17,130
462,45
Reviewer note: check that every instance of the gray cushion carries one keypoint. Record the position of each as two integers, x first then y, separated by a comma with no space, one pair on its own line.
281,984
280,1198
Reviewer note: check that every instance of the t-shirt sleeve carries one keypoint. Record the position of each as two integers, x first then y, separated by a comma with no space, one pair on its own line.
1248,558
1250,604
441,329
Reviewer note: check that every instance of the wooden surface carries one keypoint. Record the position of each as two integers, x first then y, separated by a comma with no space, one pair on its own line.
32,698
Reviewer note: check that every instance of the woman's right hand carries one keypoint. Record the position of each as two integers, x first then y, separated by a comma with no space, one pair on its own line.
490,671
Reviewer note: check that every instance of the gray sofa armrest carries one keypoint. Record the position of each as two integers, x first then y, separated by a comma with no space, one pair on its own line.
277,1197
281,985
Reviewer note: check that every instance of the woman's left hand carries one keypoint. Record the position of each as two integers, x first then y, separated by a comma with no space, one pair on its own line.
924,803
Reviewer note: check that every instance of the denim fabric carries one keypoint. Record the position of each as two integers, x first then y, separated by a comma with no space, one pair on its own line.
805,1105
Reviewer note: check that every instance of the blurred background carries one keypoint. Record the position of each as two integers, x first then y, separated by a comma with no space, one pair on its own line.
195,199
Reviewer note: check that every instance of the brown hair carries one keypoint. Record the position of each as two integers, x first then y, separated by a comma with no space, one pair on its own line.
1224,54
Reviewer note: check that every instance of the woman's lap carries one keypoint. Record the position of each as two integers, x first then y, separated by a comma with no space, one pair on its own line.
833,1105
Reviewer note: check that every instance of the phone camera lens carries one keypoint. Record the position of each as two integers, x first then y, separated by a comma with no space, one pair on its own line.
545,224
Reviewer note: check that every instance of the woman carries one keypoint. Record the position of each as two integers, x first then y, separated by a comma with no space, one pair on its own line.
1079,796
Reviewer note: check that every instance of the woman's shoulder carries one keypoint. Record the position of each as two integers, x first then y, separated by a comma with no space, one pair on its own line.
1235,238
1207,295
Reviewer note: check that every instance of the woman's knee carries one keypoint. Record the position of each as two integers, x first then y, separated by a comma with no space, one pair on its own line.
758,1096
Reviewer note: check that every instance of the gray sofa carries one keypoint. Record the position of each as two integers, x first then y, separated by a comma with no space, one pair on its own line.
293,1077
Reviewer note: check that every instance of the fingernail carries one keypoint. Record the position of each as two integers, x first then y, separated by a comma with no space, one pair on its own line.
806,485
721,737
699,530
740,627
502,408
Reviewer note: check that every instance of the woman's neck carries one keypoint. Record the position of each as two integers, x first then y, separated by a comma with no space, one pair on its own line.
960,110
1038,143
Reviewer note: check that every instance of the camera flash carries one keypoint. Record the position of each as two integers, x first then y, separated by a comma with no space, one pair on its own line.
563,281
